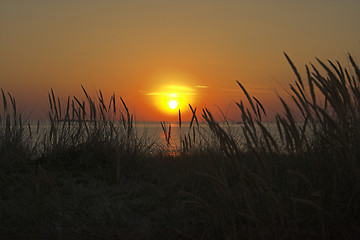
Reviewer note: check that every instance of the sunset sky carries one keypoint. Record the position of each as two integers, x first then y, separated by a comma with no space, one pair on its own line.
149,52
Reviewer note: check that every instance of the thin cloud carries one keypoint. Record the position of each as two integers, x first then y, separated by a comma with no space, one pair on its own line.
170,93
173,90
202,86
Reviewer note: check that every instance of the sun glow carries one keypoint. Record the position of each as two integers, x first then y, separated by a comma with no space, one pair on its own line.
172,98
173,104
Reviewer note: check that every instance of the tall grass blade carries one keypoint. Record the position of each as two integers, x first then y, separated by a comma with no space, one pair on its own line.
295,70
247,96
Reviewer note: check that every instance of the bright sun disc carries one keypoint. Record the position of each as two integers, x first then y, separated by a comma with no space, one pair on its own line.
173,104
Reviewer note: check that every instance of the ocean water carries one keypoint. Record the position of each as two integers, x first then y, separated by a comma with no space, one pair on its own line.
154,132
201,133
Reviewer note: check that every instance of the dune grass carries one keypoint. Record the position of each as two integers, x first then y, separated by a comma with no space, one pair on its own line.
88,173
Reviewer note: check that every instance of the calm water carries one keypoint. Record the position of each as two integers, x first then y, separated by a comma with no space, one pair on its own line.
202,132
154,131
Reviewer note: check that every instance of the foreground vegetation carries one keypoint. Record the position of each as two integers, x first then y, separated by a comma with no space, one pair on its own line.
88,177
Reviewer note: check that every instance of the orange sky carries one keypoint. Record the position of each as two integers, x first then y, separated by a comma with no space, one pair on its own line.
144,50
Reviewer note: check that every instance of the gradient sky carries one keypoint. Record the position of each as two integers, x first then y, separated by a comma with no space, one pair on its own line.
142,49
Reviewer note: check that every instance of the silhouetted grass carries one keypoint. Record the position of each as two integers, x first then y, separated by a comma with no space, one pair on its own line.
88,174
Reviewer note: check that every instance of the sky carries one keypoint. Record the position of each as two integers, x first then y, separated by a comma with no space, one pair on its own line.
153,52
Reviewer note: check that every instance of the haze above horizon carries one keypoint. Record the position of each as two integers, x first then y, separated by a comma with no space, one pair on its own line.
161,55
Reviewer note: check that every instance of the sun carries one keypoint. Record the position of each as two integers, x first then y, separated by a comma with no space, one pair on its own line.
171,98
173,104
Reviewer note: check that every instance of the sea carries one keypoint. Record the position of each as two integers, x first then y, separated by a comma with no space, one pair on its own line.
159,132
